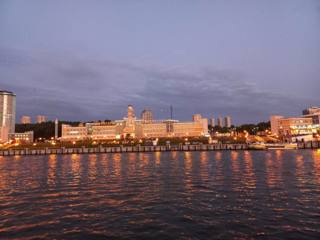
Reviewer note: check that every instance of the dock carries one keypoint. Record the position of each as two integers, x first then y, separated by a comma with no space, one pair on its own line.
122,149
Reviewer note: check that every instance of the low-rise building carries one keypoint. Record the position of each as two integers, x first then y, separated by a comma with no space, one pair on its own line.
130,127
73,133
24,137
294,128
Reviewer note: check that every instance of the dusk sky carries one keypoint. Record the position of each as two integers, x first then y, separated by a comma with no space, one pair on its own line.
87,60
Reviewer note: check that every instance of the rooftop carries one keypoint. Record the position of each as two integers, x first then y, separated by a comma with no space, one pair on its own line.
6,92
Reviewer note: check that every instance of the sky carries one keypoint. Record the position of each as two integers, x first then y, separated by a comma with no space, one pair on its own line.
87,60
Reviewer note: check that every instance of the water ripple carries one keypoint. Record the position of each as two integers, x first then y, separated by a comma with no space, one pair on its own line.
176,195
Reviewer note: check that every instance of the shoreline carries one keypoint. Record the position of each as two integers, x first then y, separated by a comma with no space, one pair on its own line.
137,149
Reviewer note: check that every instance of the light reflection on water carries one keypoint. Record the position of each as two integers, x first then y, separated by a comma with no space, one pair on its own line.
201,195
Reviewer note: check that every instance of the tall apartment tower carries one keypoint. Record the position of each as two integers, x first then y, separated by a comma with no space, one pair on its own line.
41,119
7,114
219,121
227,122
212,122
147,116
25,120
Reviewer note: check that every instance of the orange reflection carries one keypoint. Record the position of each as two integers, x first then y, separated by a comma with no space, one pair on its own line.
116,159
187,169
92,166
204,170
174,155
158,157
299,164
316,162
132,157
218,175
250,180
75,167
274,169
235,167
52,165
218,156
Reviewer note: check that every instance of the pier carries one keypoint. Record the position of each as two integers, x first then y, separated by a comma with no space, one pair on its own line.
122,149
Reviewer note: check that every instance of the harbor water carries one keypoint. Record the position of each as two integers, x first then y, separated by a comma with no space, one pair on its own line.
161,195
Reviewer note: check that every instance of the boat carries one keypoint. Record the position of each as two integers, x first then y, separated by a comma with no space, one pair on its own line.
257,146
272,146
281,146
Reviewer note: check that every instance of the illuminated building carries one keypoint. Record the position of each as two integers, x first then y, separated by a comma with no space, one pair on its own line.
275,124
311,110
7,114
147,116
130,127
25,137
296,126
41,119
219,122
25,120
71,133
227,122
212,122
314,113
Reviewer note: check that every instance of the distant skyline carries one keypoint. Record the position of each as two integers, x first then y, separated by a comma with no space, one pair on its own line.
86,60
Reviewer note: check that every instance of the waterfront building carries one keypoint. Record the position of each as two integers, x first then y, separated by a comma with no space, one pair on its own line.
7,114
296,126
314,113
24,137
131,127
275,124
147,116
72,133
25,120
102,131
219,122
311,110
227,122
41,119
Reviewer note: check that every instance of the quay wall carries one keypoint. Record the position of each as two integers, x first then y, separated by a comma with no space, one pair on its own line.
122,149
309,145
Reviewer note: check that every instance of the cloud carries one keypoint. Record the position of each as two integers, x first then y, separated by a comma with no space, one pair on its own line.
82,89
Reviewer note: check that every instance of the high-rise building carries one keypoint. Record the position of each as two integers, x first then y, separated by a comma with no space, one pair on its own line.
219,121
7,114
212,122
146,116
25,120
227,122
41,119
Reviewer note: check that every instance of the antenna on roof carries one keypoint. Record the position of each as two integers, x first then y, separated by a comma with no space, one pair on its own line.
171,112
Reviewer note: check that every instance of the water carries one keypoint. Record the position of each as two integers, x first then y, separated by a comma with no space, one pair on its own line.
168,195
